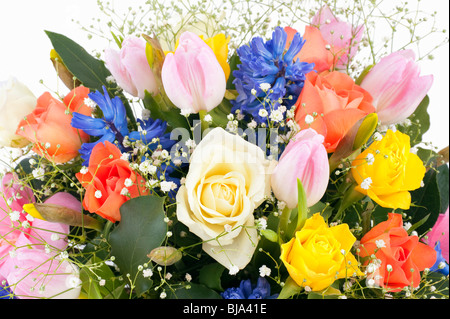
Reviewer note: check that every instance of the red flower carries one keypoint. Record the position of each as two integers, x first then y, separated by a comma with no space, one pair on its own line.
109,182
402,257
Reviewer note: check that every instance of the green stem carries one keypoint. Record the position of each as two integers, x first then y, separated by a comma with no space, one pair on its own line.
204,124
107,228
366,217
283,224
130,114
290,289
351,196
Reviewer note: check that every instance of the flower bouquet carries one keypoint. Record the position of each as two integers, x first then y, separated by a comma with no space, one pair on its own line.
213,152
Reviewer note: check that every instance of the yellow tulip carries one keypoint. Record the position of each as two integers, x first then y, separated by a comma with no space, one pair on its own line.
387,171
219,45
318,254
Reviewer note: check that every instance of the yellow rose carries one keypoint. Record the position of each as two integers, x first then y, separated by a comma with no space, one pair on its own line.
227,179
318,254
386,171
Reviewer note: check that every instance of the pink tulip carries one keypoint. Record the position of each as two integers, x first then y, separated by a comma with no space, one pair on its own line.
439,233
130,67
29,246
66,200
14,222
396,86
34,273
342,37
304,158
192,77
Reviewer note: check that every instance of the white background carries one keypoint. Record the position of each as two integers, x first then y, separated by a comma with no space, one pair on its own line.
24,49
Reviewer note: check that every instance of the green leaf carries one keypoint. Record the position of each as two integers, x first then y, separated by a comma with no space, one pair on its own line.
363,74
219,114
293,220
354,139
418,224
438,282
290,289
270,235
365,131
113,288
89,70
159,109
425,201
117,39
330,293
141,229
234,61
193,291
426,155
302,208
325,210
442,179
210,276
420,122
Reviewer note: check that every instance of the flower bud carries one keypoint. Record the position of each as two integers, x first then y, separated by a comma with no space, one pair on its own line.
165,256
304,158
62,208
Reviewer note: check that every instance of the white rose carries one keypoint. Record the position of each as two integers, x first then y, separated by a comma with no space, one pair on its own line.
16,101
228,178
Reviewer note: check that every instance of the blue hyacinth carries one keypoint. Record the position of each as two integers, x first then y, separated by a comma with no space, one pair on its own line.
151,129
267,62
440,260
247,290
5,292
111,127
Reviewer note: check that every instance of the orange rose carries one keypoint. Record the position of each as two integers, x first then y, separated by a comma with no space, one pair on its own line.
109,182
331,103
399,258
48,126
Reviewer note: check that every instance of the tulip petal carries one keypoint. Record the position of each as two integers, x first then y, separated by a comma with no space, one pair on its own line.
174,86
123,79
134,60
